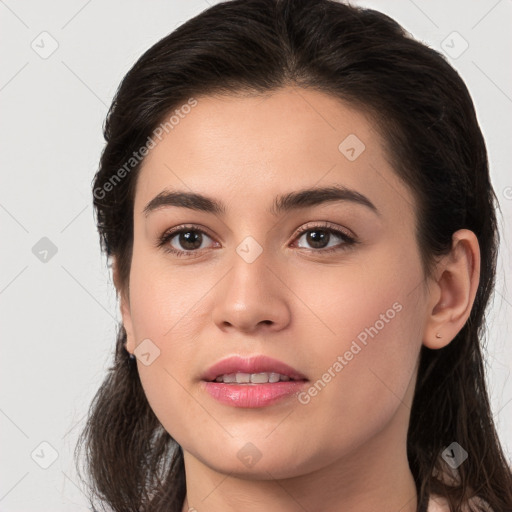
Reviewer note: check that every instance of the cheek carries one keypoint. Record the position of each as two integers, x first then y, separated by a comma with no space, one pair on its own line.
364,339
367,330
373,296
164,302
165,325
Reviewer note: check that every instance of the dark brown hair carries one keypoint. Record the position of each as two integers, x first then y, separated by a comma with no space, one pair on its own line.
427,119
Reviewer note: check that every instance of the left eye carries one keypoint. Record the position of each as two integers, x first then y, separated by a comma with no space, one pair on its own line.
320,236
191,239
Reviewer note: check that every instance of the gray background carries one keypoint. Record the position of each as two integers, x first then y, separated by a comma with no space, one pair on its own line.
59,315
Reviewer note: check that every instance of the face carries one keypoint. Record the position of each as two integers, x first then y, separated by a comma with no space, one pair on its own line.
330,286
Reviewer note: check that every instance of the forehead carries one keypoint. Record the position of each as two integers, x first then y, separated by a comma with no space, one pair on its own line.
255,147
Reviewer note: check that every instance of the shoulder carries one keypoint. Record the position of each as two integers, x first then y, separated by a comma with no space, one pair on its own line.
439,504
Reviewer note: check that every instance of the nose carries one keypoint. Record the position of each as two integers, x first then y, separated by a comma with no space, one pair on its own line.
252,297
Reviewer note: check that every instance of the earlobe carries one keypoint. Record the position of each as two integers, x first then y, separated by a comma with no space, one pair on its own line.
127,323
453,294
124,301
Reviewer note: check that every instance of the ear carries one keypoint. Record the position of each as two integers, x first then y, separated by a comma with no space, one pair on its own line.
452,294
124,298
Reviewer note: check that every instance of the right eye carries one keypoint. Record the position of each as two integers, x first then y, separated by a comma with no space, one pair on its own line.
189,238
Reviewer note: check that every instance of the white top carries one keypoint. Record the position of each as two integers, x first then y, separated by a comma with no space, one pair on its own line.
440,504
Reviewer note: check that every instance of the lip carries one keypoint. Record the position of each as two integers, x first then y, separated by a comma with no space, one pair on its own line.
252,395
254,364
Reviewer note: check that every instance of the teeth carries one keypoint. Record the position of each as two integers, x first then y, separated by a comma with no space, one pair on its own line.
243,378
251,378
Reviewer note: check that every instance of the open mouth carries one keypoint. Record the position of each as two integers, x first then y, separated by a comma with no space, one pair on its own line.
253,378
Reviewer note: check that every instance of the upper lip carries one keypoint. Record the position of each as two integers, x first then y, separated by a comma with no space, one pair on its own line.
253,364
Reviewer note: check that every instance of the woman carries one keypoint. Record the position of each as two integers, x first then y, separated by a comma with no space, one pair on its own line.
296,200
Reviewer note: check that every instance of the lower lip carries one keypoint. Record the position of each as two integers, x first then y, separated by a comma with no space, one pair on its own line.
252,395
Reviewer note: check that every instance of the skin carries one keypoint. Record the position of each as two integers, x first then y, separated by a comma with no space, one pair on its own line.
346,448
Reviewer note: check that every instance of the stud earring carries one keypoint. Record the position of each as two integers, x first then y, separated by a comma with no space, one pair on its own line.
131,356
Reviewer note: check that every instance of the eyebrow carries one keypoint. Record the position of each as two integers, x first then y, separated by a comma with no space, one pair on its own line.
292,201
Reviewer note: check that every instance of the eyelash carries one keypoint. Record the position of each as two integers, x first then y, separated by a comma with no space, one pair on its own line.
170,234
